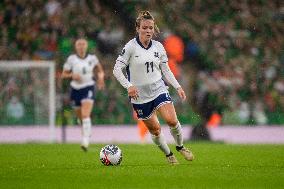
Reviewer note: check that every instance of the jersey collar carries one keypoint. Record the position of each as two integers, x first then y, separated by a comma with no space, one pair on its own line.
83,57
139,42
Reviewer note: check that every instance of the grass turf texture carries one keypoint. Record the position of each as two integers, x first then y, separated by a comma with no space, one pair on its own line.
143,166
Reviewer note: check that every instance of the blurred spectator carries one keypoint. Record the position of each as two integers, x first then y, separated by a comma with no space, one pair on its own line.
234,48
110,38
15,110
174,47
52,7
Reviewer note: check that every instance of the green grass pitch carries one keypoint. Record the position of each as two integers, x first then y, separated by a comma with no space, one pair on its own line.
143,166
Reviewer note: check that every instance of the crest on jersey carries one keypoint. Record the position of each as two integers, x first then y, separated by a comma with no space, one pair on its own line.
122,52
156,54
90,63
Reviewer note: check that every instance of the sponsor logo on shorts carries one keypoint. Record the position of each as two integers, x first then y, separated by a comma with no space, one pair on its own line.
168,96
140,112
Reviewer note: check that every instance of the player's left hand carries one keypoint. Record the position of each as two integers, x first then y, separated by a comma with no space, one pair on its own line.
181,94
101,84
133,92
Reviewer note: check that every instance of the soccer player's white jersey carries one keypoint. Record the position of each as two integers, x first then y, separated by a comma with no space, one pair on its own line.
82,66
143,63
144,69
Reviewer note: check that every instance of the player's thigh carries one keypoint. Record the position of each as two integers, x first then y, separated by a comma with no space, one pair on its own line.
168,113
86,107
153,125
77,111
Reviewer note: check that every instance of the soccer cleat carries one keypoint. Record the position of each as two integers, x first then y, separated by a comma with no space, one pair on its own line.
84,148
172,159
85,144
186,153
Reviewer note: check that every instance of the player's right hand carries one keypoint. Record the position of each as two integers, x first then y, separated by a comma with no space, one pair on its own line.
133,92
76,77
181,94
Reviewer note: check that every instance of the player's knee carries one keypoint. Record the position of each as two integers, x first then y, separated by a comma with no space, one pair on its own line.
85,116
172,122
155,131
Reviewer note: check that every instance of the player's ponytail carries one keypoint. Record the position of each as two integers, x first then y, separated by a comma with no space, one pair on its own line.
146,15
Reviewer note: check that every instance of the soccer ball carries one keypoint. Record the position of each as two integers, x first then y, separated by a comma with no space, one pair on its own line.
111,155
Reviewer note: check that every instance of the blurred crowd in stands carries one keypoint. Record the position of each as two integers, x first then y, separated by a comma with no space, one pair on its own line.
229,55
24,96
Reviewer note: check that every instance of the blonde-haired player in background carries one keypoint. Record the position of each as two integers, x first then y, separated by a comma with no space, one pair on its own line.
81,69
146,61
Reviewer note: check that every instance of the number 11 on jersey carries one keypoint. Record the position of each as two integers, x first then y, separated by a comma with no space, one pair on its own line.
149,64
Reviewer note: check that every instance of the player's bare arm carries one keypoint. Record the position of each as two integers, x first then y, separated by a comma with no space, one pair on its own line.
69,75
100,75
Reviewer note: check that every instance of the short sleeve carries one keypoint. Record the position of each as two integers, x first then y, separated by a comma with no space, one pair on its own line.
125,54
68,64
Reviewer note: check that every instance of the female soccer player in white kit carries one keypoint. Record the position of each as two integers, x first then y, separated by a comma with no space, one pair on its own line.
146,61
80,68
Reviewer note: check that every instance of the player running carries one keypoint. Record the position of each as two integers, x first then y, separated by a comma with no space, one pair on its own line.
145,61
81,68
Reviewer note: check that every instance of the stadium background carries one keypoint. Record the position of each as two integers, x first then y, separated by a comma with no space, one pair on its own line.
228,57
227,54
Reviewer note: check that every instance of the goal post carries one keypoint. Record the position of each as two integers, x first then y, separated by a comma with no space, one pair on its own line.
27,94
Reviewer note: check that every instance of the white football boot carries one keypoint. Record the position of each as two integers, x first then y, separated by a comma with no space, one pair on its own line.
85,143
186,153
172,159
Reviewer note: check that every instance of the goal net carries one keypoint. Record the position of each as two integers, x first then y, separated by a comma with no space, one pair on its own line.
27,94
